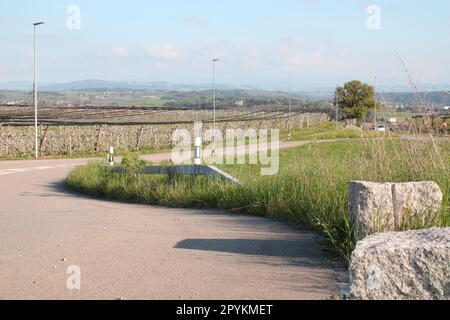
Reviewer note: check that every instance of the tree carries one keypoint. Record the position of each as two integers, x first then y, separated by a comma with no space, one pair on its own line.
355,99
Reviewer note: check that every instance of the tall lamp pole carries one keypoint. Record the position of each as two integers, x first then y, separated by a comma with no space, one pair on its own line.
36,150
290,108
336,97
214,106
375,94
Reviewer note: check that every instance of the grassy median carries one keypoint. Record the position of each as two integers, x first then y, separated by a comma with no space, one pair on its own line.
311,187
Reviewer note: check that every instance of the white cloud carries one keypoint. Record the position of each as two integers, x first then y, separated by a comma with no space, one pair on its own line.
120,52
27,54
164,51
299,53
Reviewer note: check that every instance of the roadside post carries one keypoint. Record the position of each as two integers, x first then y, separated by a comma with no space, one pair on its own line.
198,151
111,156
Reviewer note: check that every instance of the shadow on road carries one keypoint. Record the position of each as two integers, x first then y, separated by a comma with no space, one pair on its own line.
301,250
57,189
296,251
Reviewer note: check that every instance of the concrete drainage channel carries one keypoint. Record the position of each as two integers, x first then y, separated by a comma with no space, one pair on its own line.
388,265
194,170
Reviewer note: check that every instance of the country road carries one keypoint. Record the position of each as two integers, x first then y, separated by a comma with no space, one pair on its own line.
134,251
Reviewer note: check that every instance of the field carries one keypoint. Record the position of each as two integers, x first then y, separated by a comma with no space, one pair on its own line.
88,131
310,189
88,115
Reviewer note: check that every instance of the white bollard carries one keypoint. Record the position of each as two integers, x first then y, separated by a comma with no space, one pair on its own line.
111,156
198,151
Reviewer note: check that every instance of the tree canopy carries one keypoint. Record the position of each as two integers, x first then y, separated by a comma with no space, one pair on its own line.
355,99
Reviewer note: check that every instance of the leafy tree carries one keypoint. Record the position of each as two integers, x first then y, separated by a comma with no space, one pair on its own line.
355,99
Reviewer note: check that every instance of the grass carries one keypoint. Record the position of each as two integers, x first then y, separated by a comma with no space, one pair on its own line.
311,188
329,132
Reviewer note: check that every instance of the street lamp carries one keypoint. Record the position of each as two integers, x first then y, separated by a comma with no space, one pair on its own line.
214,106
375,94
35,93
336,97
290,109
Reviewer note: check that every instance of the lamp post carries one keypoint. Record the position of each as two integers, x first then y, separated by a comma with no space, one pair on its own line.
290,109
375,96
214,106
336,97
36,150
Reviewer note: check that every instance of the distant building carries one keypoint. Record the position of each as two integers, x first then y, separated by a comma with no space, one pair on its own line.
239,103
15,102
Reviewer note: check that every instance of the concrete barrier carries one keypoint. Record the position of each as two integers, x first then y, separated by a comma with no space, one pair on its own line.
412,265
194,170
382,207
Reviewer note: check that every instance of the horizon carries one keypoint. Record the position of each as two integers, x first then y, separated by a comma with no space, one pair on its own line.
100,84
320,43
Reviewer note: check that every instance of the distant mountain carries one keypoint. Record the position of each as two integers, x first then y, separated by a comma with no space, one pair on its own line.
86,85
312,92
94,84
16,85
420,87
441,98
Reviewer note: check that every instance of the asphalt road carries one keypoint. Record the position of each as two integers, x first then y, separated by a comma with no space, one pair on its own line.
142,252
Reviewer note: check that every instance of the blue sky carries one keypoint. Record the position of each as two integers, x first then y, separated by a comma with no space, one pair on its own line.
259,42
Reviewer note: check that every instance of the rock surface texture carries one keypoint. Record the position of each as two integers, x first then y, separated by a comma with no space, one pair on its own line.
416,198
382,207
410,265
